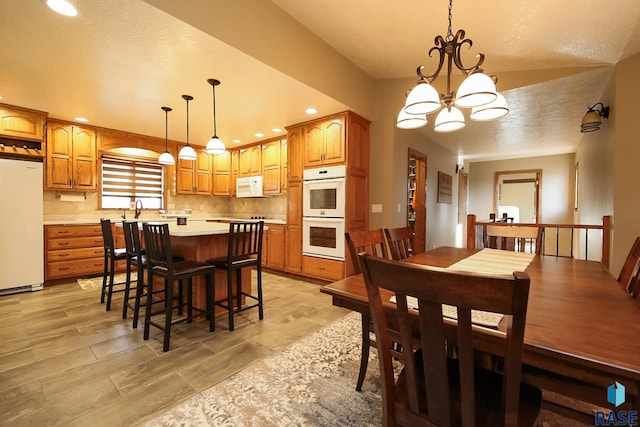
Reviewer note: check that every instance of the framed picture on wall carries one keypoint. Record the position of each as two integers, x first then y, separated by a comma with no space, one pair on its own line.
445,187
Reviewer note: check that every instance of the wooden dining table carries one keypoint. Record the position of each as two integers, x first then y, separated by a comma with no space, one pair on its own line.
582,330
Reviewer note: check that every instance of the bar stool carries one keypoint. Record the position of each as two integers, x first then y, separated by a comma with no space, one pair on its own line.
244,250
160,262
111,255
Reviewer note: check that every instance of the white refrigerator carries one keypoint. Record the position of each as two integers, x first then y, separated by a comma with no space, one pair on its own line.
21,226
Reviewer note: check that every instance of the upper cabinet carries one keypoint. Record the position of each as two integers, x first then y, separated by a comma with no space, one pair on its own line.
324,142
222,174
271,173
251,160
71,157
21,123
194,177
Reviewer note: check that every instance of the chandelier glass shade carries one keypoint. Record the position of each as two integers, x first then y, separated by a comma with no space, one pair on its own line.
478,90
166,158
187,152
215,145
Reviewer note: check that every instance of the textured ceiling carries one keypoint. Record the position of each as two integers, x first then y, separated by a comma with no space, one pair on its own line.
121,60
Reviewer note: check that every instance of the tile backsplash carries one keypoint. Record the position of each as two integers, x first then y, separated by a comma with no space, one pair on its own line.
58,205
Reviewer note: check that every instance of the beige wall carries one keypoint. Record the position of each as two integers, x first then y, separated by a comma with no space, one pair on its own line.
557,187
626,152
389,165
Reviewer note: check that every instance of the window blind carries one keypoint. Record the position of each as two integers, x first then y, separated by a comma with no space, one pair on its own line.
125,181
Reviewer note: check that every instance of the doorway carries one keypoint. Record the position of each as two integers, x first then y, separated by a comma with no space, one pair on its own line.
417,196
517,193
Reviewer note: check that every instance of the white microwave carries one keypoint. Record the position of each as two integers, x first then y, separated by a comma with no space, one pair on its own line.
249,186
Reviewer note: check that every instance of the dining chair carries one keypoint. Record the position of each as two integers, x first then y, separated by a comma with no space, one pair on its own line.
161,263
111,255
514,238
400,242
432,387
628,277
243,251
371,242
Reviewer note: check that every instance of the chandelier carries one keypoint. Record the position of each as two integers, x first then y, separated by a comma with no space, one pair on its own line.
477,91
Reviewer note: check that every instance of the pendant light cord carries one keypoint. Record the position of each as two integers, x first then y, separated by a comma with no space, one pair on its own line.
215,132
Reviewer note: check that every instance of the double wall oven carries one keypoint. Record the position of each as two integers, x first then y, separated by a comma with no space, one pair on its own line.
323,212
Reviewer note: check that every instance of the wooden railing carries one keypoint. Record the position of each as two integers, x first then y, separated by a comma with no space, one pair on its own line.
579,241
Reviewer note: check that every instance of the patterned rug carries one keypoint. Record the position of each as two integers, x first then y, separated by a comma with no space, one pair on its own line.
96,282
310,383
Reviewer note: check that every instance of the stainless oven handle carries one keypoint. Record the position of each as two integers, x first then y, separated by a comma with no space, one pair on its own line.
318,181
322,219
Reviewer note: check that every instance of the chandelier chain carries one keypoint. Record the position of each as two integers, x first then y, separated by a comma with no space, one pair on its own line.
450,31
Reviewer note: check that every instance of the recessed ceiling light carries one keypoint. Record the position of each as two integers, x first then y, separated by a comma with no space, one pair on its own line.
310,110
237,141
81,119
259,134
276,130
63,7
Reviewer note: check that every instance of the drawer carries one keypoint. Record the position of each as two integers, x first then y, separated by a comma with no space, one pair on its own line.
71,254
74,268
55,231
73,243
322,268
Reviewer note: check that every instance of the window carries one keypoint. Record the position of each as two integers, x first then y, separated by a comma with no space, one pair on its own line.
124,181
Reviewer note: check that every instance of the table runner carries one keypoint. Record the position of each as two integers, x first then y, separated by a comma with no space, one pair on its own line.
494,261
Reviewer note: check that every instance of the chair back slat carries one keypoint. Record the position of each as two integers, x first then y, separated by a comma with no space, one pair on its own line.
245,240
428,372
371,242
107,235
132,238
400,241
158,246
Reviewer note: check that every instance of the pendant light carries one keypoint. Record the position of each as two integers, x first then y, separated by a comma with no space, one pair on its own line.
215,145
187,152
166,158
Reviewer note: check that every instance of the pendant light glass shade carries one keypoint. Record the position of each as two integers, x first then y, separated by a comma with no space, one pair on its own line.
477,89
491,111
187,152
423,99
449,119
215,144
410,121
590,122
166,158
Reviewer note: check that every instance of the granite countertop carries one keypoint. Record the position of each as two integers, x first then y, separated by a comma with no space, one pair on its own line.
70,220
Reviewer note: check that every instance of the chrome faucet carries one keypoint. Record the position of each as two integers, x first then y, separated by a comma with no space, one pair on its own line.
138,208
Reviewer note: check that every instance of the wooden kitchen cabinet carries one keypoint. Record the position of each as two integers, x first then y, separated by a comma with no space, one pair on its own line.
293,242
250,161
284,173
73,250
222,174
271,175
22,123
275,246
194,177
324,142
71,157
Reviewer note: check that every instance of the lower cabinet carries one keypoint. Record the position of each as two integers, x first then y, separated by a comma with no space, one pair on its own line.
275,246
73,250
322,268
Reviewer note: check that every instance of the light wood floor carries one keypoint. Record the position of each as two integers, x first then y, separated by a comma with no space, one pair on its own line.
64,360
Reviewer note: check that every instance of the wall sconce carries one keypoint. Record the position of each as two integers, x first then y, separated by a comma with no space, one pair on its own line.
592,119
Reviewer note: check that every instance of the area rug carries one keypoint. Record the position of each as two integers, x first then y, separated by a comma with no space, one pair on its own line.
310,383
96,282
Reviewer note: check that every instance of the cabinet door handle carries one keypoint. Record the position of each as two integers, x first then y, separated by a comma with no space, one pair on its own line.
63,244
63,255
63,232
